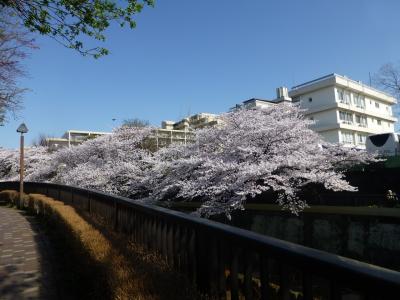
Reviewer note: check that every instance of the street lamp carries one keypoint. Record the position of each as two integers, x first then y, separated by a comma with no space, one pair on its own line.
21,129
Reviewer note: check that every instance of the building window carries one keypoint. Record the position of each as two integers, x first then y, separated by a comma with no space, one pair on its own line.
359,101
361,121
343,96
361,138
310,99
379,122
345,117
376,104
340,94
347,98
347,137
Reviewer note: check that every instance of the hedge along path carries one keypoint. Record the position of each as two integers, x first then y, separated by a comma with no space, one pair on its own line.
113,274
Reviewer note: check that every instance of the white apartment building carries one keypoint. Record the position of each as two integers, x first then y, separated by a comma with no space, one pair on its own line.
192,122
345,111
281,96
72,137
180,132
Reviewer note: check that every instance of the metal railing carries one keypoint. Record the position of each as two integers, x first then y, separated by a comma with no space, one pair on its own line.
228,262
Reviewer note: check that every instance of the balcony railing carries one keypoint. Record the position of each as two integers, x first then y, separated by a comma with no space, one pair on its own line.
360,106
344,102
346,122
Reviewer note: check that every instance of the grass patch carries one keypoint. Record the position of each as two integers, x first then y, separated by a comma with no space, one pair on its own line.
106,264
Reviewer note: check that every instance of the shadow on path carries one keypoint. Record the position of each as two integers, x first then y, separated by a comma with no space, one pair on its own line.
33,265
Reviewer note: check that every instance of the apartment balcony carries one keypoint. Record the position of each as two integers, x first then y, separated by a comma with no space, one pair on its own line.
346,122
364,111
350,105
353,108
345,102
347,125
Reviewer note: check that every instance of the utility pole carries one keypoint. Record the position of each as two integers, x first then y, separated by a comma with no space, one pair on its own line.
21,129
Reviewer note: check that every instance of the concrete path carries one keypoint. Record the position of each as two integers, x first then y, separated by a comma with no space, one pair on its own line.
24,258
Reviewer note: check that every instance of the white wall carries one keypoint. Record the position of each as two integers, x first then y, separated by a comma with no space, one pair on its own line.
324,118
383,109
320,98
385,126
331,136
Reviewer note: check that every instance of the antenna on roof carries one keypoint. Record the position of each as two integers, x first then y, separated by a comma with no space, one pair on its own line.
293,79
370,82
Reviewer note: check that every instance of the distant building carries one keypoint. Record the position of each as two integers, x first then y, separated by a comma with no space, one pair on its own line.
345,111
282,95
181,132
72,137
200,120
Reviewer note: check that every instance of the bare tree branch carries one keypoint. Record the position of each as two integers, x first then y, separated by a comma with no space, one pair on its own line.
388,78
14,44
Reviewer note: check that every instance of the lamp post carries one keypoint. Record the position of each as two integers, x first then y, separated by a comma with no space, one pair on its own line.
21,129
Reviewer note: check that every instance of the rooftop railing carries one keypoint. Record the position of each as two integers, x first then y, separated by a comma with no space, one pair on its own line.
228,262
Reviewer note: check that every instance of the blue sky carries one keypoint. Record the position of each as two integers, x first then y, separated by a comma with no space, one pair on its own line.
188,56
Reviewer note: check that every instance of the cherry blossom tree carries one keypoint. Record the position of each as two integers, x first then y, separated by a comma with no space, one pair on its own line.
254,151
112,163
35,157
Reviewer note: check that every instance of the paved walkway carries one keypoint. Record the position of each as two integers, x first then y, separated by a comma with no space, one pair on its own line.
24,258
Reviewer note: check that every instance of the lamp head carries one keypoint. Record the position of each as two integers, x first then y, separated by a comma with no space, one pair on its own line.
22,128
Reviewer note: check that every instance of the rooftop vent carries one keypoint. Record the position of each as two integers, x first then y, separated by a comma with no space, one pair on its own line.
282,92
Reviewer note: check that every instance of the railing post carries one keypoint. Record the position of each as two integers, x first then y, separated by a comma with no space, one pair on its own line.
115,215
264,277
185,257
284,282
89,202
335,290
213,266
234,270
177,247
202,262
191,254
159,236
221,278
248,273
307,286
165,240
